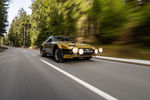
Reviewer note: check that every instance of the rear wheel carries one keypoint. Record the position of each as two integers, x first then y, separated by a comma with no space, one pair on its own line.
58,55
42,52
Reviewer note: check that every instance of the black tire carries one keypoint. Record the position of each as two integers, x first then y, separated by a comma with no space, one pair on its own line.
42,52
58,55
87,58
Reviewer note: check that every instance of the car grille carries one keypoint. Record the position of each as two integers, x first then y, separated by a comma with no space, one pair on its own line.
88,51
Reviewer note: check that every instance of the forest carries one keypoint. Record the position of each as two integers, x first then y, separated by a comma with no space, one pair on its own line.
98,22
94,21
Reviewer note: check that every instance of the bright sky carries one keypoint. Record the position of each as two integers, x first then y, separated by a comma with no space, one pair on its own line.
15,5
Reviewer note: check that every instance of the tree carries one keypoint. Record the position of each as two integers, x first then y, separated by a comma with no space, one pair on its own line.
55,18
94,16
3,16
18,33
142,31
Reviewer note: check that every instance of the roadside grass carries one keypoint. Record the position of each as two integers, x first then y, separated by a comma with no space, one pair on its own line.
130,52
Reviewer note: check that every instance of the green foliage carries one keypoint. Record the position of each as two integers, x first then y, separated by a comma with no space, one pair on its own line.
142,31
18,34
55,18
3,16
107,20
113,19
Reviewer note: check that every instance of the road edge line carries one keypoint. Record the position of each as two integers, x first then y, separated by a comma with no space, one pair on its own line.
122,61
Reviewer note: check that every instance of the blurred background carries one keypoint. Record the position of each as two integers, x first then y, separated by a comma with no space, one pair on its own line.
121,27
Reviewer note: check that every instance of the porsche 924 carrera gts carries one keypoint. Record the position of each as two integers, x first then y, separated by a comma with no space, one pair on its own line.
61,47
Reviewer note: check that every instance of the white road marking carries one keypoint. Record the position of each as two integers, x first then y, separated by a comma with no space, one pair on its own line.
83,83
25,51
136,61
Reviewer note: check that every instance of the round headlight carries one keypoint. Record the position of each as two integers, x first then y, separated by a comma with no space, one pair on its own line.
75,50
96,51
81,51
100,50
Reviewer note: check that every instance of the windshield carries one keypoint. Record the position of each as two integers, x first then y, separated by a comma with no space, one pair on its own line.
61,39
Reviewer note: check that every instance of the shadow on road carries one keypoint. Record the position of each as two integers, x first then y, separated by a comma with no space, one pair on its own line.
3,48
75,60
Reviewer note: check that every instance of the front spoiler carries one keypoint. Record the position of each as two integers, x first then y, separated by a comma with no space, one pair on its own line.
71,56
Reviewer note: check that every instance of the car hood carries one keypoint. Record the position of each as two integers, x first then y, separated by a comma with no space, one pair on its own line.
78,45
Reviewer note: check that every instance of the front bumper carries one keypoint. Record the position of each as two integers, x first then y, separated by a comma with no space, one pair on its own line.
70,56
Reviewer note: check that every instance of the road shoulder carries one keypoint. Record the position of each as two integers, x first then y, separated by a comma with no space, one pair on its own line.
132,61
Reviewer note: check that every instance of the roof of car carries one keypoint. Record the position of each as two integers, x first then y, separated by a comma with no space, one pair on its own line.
61,36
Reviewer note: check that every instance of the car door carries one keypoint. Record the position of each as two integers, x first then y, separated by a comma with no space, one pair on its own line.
53,43
48,45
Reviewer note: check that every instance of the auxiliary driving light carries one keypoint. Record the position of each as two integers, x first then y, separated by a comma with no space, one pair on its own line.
75,50
96,51
81,51
100,50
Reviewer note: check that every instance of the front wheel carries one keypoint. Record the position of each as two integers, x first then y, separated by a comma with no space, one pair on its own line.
43,54
58,55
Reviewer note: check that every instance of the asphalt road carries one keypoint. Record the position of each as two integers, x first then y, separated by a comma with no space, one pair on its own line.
25,75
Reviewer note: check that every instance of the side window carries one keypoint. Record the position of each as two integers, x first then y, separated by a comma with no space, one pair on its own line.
50,40
55,39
